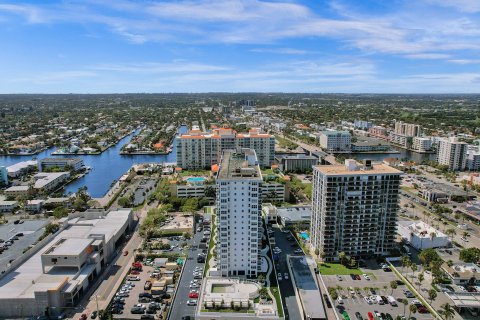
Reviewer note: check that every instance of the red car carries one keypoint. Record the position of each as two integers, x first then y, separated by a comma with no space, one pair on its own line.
370,316
83,316
193,295
134,272
358,277
125,253
422,309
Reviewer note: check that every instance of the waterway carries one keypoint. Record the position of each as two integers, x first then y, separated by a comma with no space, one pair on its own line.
106,167
399,154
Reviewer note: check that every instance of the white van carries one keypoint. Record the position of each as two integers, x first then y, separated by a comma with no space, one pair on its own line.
392,301
339,300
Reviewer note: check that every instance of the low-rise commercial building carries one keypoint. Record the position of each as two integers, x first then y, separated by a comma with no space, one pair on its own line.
59,273
379,132
74,164
463,273
421,235
273,191
269,212
295,215
296,163
433,195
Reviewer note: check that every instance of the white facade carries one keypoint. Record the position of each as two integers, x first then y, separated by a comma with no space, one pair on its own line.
336,141
8,206
273,191
18,169
422,144
47,163
50,181
60,271
239,208
473,158
452,153
354,209
422,236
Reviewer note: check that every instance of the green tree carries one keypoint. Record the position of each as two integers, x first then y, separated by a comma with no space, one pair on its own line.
412,309
429,255
342,257
470,255
451,233
447,311
414,268
405,304
432,294
393,285
420,278
60,212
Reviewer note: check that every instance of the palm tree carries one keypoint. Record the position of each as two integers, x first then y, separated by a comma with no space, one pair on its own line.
414,268
420,278
451,233
393,285
448,311
465,234
413,309
342,256
432,294
405,304
405,262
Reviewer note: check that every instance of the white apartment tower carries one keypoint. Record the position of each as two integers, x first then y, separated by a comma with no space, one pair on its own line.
199,150
336,141
354,209
239,208
452,153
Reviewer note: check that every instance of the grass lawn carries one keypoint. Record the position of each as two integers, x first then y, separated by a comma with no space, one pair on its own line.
336,268
210,245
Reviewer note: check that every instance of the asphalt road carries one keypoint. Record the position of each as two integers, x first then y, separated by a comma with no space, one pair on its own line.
286,286
179,306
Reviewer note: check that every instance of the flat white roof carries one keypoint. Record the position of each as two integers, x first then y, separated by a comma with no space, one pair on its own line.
21,165
29,276
70,247
17,188
43,178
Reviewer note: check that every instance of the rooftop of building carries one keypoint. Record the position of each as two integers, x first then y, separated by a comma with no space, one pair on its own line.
462,270
17,188
29,276
335,132
224,133
239,164
43,178
367,141
295,213
354,168
421,229
21,165
301,156
307,288
69,246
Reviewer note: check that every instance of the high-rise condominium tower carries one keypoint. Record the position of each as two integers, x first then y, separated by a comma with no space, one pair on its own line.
354,209
239,213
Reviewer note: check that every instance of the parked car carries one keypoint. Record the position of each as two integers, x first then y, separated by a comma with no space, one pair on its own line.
147,317
191,302
125,253
358,316
93,315
193,295
137,310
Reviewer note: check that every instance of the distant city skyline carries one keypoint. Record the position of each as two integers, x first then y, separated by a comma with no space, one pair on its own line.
337,46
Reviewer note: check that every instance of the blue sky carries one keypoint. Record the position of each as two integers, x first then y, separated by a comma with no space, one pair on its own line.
351,46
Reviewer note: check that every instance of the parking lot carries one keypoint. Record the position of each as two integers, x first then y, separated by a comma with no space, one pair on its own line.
31,229
353,293
180,308
132,297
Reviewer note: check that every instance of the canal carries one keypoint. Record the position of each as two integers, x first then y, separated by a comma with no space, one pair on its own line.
106,167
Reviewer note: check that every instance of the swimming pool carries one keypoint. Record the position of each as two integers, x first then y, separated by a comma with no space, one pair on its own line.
305,235
196,179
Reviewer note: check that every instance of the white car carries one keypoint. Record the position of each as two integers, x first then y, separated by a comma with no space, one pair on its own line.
367,300
191,302
279,276
285,276
366,276
298,251
194,285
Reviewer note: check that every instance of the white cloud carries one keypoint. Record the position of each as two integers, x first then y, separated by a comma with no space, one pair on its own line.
428,56
465,61
470,6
